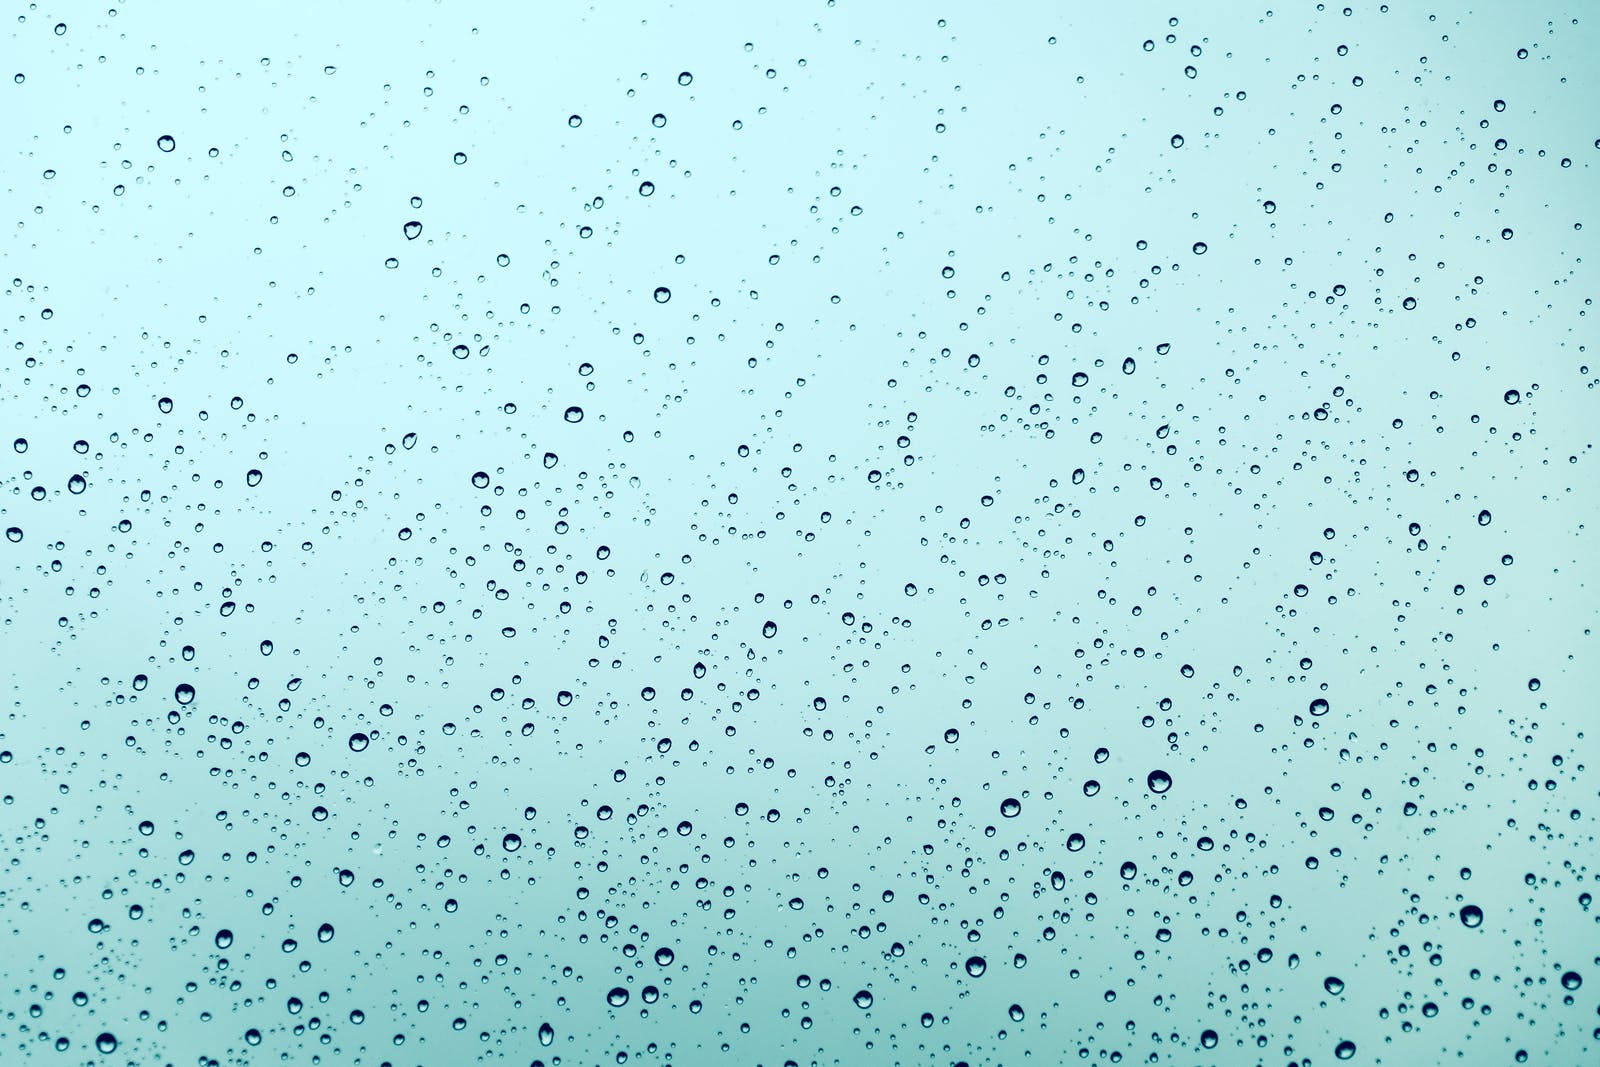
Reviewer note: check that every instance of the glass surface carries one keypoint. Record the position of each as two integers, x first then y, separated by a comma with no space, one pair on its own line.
817,533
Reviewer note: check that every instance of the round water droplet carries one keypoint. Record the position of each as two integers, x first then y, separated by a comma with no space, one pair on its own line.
166,142
1011,807
1344,1050
358,741
1333,985
663,294
1471,916
105,1044
511,842
1158,781
976,965
863,999
617,997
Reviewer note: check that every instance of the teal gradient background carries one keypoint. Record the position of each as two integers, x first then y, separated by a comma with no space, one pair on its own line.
810,473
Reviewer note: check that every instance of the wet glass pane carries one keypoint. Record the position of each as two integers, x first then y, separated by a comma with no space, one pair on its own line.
816,533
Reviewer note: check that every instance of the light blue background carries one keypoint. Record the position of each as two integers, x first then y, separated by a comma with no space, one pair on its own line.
1029,150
